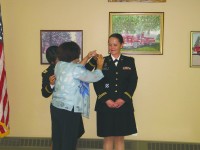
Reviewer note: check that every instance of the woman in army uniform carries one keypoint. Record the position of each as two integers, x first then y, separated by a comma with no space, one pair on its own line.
114,106
48,77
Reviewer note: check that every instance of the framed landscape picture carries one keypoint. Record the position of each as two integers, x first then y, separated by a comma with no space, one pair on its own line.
56,37
195,49
142,31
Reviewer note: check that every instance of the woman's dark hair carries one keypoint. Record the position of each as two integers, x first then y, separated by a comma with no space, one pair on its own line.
118,36
51,54
68,51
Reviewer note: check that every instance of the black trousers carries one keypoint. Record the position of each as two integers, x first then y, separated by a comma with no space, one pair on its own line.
67,127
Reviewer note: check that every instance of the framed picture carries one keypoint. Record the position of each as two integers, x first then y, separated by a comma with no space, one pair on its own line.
148,1
56,37
142,31
195,49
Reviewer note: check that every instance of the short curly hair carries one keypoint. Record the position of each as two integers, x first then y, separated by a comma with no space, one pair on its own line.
68,51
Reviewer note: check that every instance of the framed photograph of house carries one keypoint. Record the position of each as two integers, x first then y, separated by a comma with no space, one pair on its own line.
142,31
147,1
56,37
195,49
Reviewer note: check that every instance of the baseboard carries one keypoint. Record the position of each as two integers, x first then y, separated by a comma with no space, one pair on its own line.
97,144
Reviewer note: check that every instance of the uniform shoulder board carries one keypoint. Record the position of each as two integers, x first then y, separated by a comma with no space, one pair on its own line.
107,57
130,57
45,71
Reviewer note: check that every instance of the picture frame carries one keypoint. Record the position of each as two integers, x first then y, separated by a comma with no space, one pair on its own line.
56,37
147,1
142,32
195,49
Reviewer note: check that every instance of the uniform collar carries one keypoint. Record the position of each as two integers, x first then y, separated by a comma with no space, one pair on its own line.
113,58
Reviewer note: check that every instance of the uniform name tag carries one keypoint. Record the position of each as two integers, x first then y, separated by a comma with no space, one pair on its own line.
126,68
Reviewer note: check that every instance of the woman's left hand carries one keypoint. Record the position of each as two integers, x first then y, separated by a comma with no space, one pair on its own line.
119,102
52,79
92,54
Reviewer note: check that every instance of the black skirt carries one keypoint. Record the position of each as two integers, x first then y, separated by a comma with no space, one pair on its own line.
115,123
67,127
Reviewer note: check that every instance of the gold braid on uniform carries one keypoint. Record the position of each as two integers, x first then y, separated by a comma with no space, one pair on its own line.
126,93
101,95
47,90
91,64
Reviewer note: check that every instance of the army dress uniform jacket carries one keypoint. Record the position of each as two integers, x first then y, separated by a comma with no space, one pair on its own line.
119,82
46,87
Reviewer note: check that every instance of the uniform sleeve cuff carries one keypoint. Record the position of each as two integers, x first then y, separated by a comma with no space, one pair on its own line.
103,97
48,89
126,97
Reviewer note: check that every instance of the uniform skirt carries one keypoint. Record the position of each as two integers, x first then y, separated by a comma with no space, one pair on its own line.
67,127
115,123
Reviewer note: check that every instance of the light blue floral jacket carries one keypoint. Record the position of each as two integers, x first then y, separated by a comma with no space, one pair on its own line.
72,87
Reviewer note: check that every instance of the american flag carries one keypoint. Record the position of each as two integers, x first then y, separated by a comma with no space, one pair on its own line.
4,103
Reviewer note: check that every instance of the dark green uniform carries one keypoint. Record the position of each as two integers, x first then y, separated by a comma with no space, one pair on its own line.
46,88
119,82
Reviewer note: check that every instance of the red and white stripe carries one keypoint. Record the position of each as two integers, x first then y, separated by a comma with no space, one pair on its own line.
4,103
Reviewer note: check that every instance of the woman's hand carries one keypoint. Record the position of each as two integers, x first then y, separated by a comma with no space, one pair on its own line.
89,55
110,103
119,102
92,54
52,79
100,61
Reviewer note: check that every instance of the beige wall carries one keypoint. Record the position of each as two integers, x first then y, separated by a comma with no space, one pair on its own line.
167,97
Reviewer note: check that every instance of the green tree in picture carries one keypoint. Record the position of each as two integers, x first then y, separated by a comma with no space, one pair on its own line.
135,24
